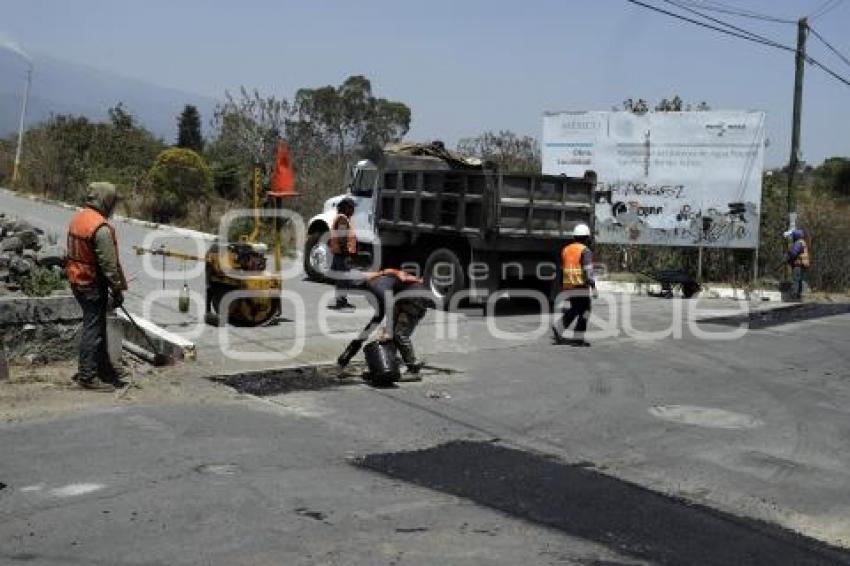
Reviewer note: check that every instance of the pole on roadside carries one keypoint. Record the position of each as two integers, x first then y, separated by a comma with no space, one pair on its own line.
794,163
17,168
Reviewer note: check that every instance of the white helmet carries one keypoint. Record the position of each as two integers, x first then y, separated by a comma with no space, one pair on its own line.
581,230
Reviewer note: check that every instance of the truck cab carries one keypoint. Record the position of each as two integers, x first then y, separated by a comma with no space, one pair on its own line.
361,187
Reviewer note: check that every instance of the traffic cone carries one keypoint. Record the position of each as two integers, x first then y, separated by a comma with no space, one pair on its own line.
282,183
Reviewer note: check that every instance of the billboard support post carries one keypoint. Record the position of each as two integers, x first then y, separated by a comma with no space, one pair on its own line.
699,265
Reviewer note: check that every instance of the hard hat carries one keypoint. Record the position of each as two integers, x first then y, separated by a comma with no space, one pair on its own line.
581,230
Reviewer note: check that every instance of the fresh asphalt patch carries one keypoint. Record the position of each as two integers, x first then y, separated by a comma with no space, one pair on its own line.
767,318
265,383
582,502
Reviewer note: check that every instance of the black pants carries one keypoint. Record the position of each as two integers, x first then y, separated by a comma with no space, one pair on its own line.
406,317
339,270
579,309
94,355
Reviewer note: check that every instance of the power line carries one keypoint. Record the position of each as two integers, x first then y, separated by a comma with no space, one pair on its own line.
831,48
824,8
749,36
721,22
735,11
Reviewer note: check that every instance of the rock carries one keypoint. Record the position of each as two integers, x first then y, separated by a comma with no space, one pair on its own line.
4,275
11,244
22,226
20,266
28,238
5,258
29,254
51,256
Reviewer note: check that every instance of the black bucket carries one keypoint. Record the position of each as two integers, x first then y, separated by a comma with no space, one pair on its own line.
382,362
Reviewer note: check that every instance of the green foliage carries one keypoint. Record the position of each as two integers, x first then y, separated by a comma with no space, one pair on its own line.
325,127
674,104
177,177
189,129
41,282
506,150
64,154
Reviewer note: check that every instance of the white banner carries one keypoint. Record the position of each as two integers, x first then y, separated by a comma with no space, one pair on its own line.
665,178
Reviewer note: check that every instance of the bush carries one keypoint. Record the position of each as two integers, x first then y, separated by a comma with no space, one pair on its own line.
177,177
41,282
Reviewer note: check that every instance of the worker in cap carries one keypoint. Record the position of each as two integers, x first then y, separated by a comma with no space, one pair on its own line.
343,246
403,295
578,282
798,259
97,282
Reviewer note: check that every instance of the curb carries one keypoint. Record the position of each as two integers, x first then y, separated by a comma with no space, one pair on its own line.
708,291
167,343
188,232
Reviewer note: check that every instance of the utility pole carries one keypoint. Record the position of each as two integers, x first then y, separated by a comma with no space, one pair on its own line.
16,170
802,32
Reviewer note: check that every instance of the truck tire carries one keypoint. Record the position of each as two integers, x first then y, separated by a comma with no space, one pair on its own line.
317,256
444,276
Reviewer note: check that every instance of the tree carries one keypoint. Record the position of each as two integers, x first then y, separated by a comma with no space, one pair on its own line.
177,177
349,117
507,150
189,129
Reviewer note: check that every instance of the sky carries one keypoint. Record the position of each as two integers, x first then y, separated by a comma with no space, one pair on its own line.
462,66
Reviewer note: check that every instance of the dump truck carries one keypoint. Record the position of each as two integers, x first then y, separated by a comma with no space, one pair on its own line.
468,228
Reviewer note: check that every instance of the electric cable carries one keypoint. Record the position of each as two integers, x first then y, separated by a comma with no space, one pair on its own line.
749,36
829,46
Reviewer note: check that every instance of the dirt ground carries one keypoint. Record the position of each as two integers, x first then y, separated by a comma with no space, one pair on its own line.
47,391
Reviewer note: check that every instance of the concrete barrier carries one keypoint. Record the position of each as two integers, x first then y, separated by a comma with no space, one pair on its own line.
168,343
708,291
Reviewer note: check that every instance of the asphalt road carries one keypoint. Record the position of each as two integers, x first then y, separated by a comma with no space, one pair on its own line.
666,448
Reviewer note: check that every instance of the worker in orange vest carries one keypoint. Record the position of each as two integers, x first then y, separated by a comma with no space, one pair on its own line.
97,282
409,300
578,281
343,246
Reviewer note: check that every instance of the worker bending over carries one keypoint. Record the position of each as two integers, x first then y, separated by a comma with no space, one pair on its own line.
798,258
343,246
578,282
409,300
95,273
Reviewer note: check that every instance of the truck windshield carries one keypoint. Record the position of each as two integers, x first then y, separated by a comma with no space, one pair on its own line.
364,182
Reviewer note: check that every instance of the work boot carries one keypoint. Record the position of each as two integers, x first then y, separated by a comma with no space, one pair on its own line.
93,383
559,340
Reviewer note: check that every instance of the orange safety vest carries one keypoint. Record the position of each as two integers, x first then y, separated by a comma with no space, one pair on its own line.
803,260
571,265
81,264
343,239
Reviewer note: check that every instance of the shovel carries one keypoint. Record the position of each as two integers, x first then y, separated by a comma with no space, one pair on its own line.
159,359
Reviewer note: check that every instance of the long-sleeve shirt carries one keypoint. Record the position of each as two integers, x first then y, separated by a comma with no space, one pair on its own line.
107,259
587,267
795,250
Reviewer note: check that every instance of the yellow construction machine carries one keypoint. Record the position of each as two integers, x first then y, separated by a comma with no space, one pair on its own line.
240,267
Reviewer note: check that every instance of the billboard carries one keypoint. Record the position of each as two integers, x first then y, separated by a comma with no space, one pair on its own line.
665,178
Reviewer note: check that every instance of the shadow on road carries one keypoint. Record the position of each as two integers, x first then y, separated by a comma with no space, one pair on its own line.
584,503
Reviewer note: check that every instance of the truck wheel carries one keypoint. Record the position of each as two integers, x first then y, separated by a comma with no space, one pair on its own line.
317,256
444,276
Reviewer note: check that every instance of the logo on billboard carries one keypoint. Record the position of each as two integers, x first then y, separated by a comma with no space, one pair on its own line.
721,128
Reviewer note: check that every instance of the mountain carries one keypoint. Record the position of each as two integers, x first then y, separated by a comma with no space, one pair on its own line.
62,87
